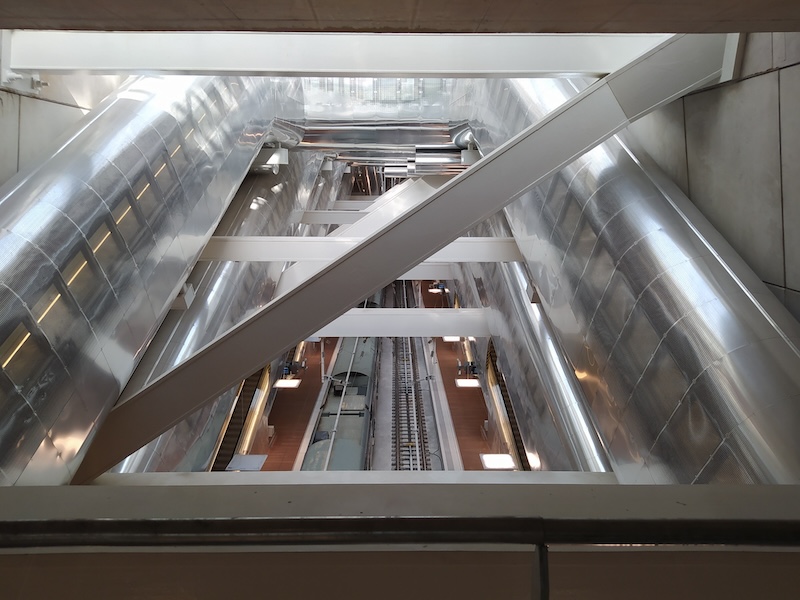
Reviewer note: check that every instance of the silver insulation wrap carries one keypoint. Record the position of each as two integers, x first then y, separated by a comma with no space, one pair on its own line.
555,424
690,364
226,293
94,245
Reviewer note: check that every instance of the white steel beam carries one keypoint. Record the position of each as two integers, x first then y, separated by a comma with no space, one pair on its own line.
408,322
283,248
423,226
331,217
327,54
351,204
426,270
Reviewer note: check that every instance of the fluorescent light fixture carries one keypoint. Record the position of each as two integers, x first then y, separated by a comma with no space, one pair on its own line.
451,338
468,383
534,461
498,462
288,383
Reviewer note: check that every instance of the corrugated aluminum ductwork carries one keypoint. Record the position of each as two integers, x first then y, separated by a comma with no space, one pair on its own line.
94,245
690,363
555,424
225,293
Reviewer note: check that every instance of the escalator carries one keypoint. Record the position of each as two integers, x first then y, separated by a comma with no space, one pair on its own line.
519,447
236,423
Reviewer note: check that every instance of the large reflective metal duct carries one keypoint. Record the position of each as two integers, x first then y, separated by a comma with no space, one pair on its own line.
691,365
225,293
554,421
95,243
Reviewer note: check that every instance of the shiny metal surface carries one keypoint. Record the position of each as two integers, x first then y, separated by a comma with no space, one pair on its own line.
226,293
680,64
689,363
377,99
557,428
389,135
95,243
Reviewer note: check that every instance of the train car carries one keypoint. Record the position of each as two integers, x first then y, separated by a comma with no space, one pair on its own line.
341,440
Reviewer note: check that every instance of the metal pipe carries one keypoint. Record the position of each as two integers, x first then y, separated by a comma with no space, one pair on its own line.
97,241
686,356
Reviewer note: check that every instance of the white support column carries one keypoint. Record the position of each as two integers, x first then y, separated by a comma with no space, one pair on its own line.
415,231
329,54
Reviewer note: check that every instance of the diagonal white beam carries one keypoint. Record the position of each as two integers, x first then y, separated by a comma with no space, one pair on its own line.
282,248
352,204
675,68
327,54
408,322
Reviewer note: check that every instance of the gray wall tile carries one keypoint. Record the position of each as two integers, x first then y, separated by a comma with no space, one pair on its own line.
757,54
785,49
790,160
663,136
793,303
733,149
9,134
779,292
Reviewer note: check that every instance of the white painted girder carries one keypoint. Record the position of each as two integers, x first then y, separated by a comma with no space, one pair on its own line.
351,204
283,248
330,217
328,54
680,65
408,322
426,270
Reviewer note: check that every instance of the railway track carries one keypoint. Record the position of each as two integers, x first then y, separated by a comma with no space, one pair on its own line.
409,435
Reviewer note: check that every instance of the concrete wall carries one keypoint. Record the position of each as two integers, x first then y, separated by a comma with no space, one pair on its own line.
30,124
735,150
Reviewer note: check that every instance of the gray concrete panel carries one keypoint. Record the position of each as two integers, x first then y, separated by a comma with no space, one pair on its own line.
733,150
793,303
790,159
757,54
780,292
9,133
785,49
663,136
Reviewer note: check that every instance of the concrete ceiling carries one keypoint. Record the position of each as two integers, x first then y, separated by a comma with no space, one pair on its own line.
406,15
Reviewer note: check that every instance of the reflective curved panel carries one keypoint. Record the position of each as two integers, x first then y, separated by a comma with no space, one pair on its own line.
225,293
95,243
690,364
